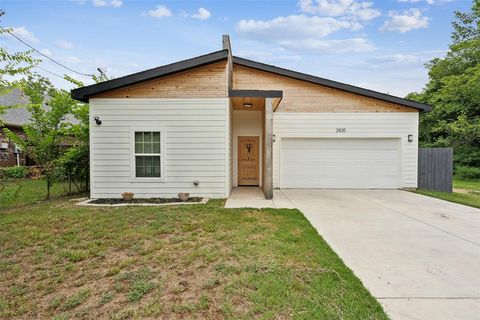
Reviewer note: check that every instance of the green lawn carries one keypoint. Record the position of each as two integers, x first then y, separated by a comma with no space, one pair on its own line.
19,192
469,193
58,261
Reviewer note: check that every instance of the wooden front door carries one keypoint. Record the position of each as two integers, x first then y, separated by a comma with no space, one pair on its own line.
248,161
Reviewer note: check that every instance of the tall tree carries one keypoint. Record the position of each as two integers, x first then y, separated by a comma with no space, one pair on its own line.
453,91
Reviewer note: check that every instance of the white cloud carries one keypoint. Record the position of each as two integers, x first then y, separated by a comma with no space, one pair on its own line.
23,33
64,44
362,10
399,59
304,33
406,21
160,12
46,52
107,3
427,1
71,59
329,46
293,27
202,14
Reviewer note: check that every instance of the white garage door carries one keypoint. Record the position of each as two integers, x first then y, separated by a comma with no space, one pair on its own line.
340,163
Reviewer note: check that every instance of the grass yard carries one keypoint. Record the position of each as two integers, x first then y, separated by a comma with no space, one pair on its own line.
465,192
58,261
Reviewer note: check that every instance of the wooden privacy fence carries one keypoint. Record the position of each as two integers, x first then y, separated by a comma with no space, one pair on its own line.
435,169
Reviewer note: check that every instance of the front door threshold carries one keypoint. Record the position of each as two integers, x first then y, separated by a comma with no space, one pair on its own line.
253,197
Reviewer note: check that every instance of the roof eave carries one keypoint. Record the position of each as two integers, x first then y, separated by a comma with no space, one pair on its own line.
331,84
84,93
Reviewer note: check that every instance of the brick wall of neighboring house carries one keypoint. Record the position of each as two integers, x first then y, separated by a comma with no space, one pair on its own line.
8,158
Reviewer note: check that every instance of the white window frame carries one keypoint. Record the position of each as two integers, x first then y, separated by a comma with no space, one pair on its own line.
162,155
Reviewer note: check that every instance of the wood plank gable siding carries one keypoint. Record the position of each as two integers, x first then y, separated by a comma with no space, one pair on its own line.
302,96
205,82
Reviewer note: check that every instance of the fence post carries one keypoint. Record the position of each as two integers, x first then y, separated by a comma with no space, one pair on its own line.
69,182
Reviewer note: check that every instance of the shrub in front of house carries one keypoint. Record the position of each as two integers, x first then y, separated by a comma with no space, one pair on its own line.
17,172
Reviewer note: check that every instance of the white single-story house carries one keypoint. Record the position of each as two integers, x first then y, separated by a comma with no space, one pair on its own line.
214,122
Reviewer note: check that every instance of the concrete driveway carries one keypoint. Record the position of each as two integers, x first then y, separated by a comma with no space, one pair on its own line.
419,256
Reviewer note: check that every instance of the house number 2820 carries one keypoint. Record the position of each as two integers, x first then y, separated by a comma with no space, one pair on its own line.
341,130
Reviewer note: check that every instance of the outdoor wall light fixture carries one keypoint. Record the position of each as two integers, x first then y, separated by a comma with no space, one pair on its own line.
410,138
196,183
97,120
248,105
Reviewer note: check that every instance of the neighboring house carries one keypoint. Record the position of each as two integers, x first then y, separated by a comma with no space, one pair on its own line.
13,119
210,123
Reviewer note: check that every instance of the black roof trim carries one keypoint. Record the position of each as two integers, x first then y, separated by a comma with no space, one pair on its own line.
331,84
83,94
256,93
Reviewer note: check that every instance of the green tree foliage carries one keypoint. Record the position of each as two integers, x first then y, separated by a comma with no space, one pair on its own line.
13,65
50,139
76,158
47,132
453,91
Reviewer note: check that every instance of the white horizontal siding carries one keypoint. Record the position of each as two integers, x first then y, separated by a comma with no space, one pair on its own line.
357,125
195,146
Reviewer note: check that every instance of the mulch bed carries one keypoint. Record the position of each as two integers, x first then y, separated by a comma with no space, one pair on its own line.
147,200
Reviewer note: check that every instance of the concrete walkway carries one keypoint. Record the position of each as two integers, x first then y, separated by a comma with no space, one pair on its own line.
419,256
252,197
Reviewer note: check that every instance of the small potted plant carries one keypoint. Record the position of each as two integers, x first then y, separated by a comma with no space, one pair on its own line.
183,196
127,196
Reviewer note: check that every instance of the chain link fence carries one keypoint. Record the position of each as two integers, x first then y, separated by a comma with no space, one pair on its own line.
27,185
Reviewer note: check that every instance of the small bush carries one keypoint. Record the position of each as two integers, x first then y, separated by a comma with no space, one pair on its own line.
467,173
17,172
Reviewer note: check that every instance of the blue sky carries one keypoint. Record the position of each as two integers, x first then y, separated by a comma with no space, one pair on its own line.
380,45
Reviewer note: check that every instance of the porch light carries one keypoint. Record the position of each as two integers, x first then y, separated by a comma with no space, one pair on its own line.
97,120
248,105
410,138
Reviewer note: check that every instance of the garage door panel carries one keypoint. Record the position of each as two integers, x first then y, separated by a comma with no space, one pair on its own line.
337,144
340,163
325,157
332,183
